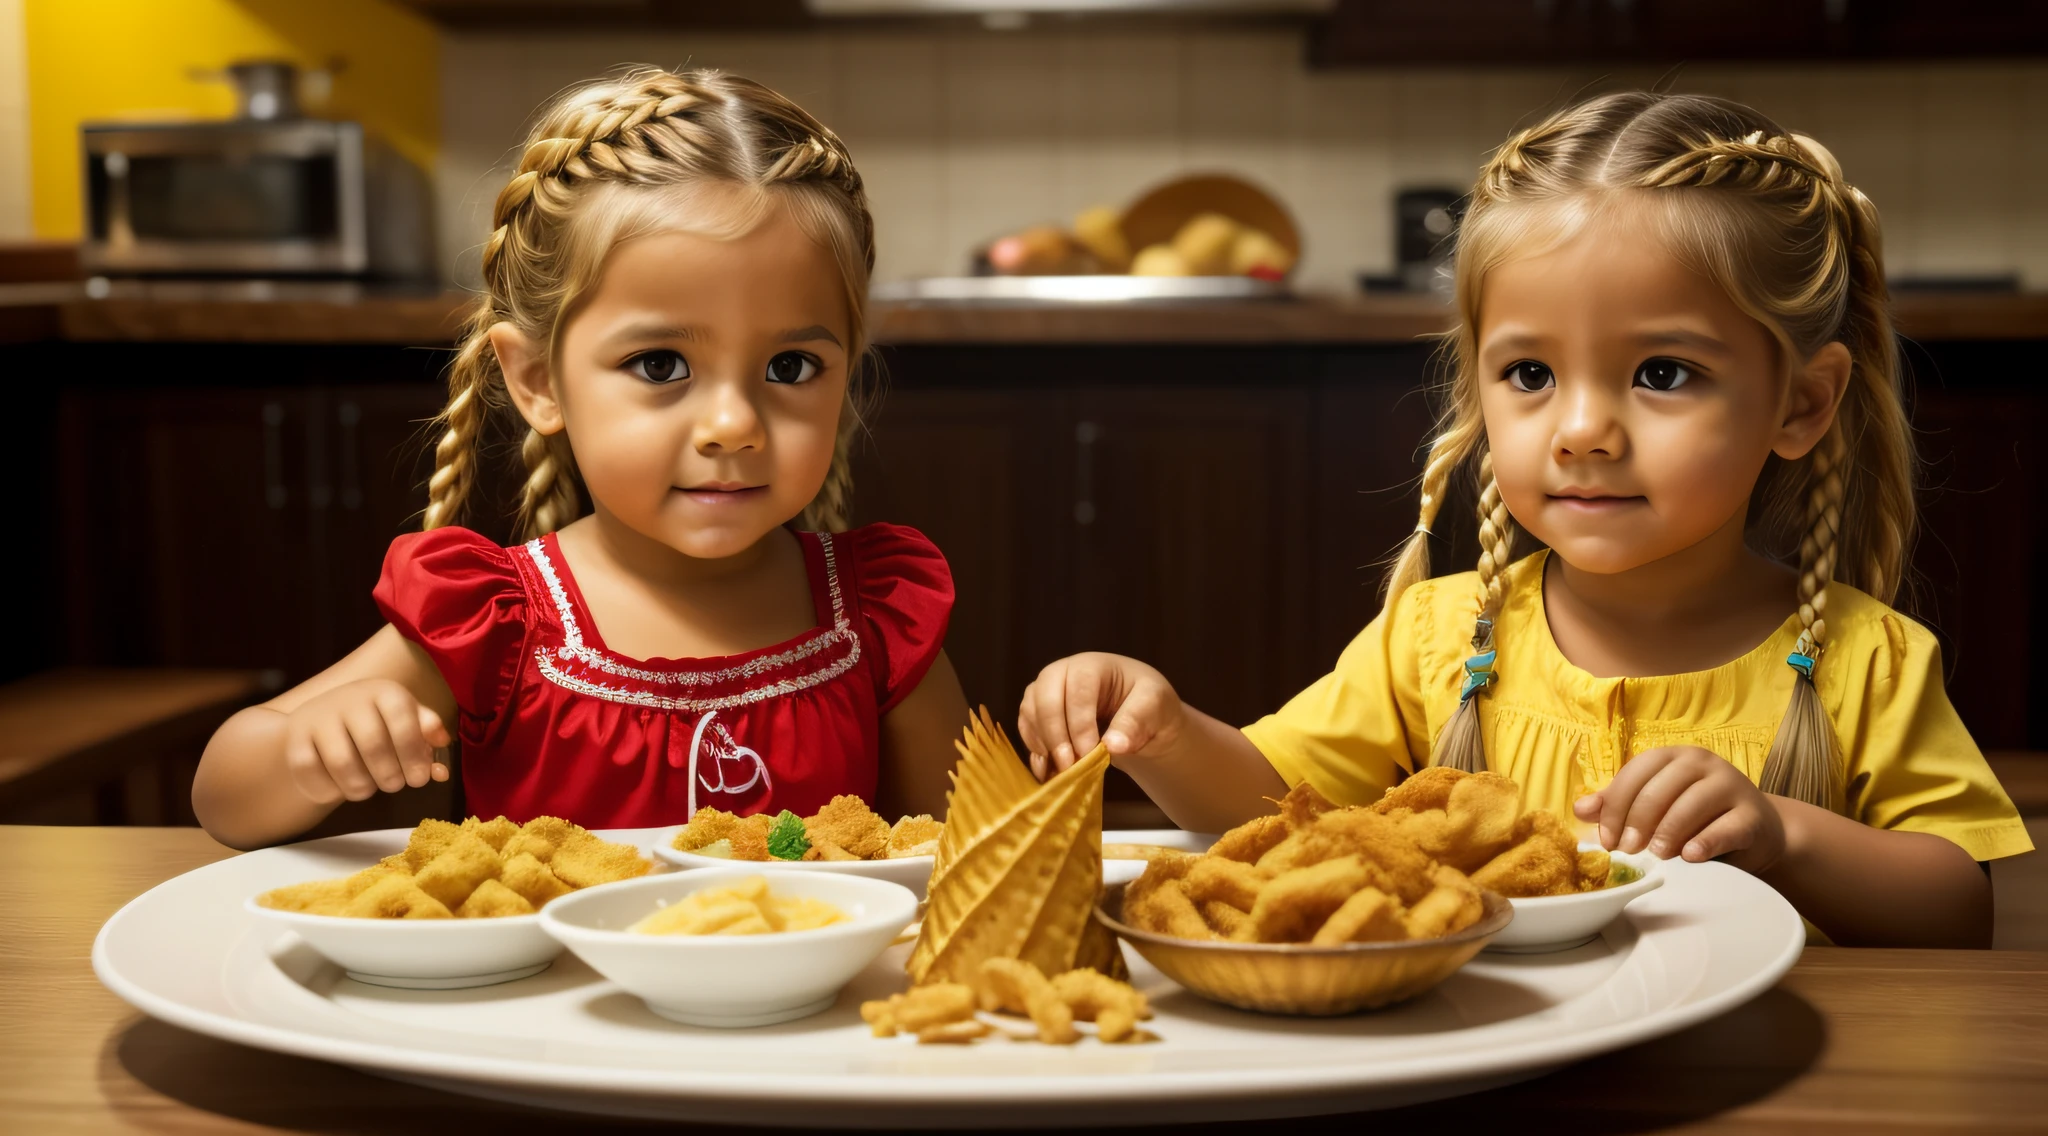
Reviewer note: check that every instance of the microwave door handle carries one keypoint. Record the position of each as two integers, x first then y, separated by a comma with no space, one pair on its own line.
120,214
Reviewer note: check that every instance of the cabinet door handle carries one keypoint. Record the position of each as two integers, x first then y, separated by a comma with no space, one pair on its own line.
351,416
274,494
1086,434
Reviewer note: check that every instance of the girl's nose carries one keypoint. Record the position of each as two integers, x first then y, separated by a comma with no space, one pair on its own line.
1587,425
727,419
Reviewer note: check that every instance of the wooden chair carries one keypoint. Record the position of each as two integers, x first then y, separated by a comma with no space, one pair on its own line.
93,745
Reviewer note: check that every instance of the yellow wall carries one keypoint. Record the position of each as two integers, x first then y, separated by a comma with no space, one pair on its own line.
124,59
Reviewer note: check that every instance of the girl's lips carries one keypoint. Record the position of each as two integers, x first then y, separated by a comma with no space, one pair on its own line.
1596,504
705,495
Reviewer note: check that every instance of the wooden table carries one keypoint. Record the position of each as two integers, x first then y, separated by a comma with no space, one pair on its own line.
1851,1041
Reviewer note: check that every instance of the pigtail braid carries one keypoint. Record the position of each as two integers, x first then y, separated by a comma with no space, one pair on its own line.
1805,760
461,423
1461,744
549,499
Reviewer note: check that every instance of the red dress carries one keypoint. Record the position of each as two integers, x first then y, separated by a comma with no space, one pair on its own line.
554,723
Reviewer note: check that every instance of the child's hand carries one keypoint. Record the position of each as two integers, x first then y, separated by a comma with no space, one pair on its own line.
1068,702
1688,801
360,737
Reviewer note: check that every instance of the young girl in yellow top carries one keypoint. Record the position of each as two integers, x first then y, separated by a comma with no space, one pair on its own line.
1675,369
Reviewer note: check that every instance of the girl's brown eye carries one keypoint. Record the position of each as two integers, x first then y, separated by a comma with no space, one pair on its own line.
1529,377
1663,375
791,367
660,366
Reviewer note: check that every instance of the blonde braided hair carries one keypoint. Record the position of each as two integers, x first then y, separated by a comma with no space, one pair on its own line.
618,159
1766,214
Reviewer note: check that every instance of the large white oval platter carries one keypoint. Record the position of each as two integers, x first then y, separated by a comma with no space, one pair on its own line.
188,952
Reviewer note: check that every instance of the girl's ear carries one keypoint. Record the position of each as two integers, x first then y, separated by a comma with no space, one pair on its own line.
524,364
1817,389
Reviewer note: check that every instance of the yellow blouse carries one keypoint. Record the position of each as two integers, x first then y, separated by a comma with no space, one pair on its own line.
1559,731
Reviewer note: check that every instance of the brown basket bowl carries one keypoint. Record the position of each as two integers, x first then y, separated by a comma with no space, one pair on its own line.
1293,978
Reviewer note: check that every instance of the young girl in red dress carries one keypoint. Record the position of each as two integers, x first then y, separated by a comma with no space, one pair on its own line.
673,304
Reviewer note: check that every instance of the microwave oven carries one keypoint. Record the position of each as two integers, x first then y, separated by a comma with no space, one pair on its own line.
247,197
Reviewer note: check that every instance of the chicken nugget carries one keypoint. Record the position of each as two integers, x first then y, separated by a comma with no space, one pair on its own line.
463,864
1302,805
1222,918
532,880
318,897
750,837
826,850
397,897
706,826
1422,791
1595,866
1165,910
920,1008
1297,903
1370,916
954,1033
911,833
1542,823
494,832
1535,867
1454,905
928,848
1230,881
1115,1007
1394,863
492,900
587,861
1013,986
847,821
1250,840
428,840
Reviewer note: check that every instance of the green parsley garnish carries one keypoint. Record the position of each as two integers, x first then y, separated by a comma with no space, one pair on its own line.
787,840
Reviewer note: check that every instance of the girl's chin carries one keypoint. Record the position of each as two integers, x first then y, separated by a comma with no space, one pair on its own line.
1601,557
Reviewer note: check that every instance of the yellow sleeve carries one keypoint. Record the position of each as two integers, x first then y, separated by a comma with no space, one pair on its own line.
1356,731
1912,765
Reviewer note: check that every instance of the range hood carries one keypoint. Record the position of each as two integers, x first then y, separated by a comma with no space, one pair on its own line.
1000,8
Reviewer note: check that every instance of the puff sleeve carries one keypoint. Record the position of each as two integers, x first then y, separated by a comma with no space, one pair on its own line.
459,596
1912,764
905,592
1354,733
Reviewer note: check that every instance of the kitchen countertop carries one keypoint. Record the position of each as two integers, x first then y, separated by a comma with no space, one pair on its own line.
1850,1041
348,313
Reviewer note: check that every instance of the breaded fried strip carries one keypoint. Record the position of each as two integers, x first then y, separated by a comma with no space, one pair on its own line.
1295,905
1251,840
1370,916
1235,883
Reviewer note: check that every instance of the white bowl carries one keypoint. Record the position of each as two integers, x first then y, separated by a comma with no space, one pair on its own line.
424,954
913,872
1560,922
731,980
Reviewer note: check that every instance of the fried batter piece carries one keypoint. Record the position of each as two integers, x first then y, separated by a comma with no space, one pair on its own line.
428,840
914,836
848,822
826,850
1451,907
584,861
1370,916
706,826
920,1008
1297,903
1425,790
1392,861
1013,986
1232,882
1251,840
494,832
397,897
1165,909
1595,866
492,900
1223,919
1115,1007
1302,805
1543,861
749,837
954,1033
531,879
463,864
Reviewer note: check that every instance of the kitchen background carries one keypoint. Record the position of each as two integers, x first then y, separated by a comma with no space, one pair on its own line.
207,472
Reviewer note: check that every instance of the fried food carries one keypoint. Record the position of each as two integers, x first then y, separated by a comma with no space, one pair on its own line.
745,907
921,1008
845,829
943,1013
1013,987
1019,866
475,870
1369,916
1248,842
1114,1007
1474,822
1297,902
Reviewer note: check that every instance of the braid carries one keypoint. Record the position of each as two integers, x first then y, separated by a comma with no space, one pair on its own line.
462,422
548,499
1817,547
1460,435
1496,532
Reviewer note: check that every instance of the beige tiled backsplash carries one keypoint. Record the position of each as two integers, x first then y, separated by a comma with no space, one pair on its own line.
965,135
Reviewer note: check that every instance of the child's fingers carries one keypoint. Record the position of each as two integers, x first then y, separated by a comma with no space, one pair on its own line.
1698,806
1731,832
406,720
1136,722
1587,807
372,737
432,728
1038,767
1084,708
1027,721
339,757
1620,793
1652,801
308,772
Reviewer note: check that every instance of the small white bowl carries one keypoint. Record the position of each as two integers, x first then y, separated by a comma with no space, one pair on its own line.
913,872
731,981
423,954
1561,922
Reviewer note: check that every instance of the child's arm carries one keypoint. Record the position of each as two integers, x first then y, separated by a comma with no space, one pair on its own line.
1863,886
368,723
1205,774
917,744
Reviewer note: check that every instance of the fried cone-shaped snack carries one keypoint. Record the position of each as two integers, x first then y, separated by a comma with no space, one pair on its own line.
1018,867
847,821
492,899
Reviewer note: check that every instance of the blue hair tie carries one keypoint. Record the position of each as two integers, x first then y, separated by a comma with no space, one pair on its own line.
1801,663
1478,673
